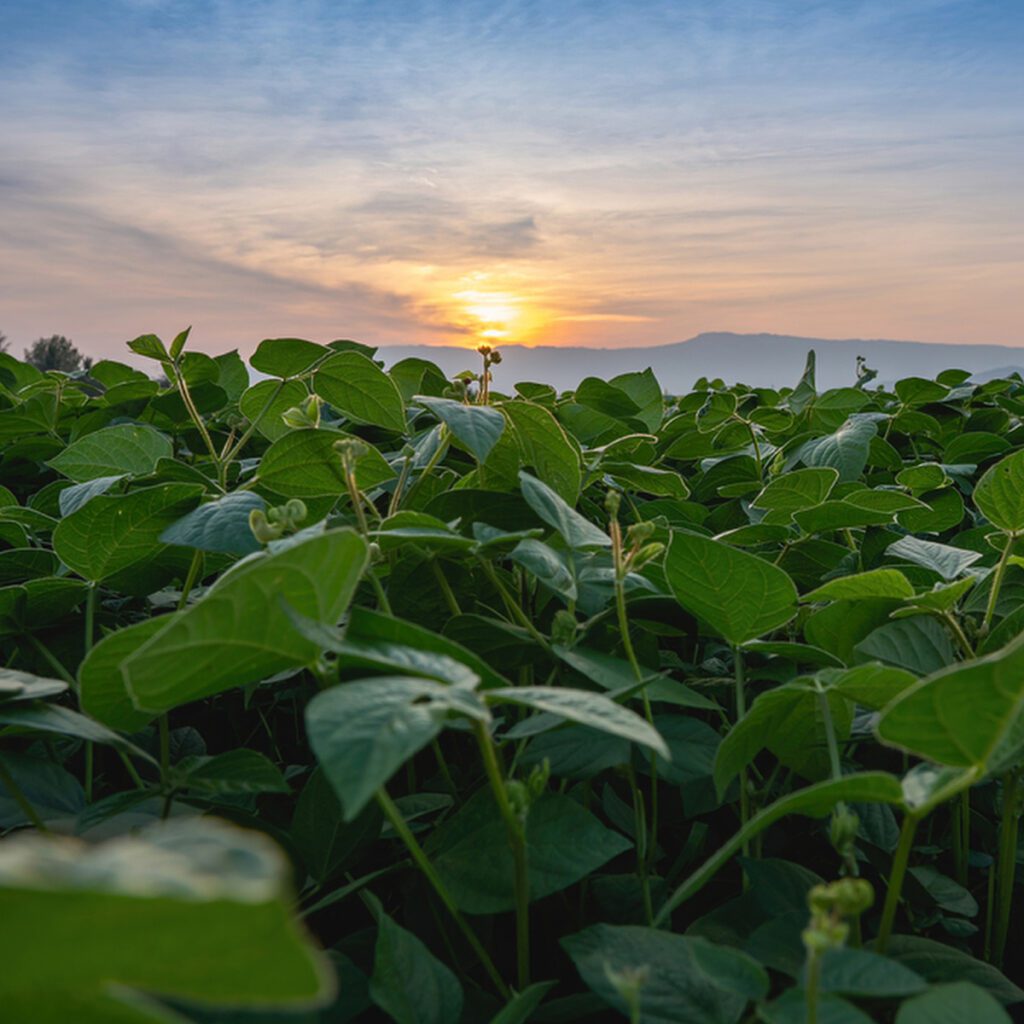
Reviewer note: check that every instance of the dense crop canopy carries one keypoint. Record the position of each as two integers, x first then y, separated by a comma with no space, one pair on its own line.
598,705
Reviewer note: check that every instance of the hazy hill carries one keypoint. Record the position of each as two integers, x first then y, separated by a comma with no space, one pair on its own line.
769,360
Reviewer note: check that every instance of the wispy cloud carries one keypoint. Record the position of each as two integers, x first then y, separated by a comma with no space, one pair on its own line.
633,172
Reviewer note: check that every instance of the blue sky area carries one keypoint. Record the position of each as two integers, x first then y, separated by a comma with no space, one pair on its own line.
561,172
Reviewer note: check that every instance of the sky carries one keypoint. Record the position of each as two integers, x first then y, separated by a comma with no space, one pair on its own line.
557,172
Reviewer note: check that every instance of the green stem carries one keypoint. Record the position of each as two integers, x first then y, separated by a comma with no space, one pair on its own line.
90,756
812,985
190,406
191,578
446,590
229,457
420,859
958,633
517,842
130,768
897,873
51,659
165,764
997,582
378,588
20,799
90,616
1007,869
511,605
442,448
741,710
403,479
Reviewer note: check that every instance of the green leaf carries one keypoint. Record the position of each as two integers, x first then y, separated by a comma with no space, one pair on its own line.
947,894
872,685
838,515
999,494
363,732
127,449
409,983
647,479
846,450
235,771
803,488
858,972
953,1003
112,533
240,632
791,1008
304,464
220,526
959,715
359,389
814,801
101,686
949,562
323,838
88,927
874,583
520,1008
72,498
577,532
547,565
266,402
546,448
151,347
477,427
937,962
686,979
20,686
564,844
587,708
740,596
286,357
918,644
53,718
883,501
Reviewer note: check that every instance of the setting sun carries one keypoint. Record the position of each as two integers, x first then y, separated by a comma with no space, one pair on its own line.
490,314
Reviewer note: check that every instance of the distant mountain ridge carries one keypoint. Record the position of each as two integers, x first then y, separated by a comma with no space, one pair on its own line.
763,360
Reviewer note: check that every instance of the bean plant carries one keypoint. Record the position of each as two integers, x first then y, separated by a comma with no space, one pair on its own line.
334,693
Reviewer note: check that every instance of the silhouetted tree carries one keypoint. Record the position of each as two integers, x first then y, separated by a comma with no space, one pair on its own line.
56,353
3,342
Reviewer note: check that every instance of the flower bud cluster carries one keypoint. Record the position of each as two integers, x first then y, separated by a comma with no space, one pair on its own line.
269,525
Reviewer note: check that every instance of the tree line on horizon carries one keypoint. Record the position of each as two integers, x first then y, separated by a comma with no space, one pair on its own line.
53,353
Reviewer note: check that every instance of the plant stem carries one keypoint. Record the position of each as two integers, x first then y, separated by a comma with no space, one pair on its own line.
378,588
517,842
897,873
1007,868
90,616
7,780
442,447
997,582
51,660
741,710
812,985
191,578
512,605
420,859
961,637
446,590
89,759
229,457
165,764
962,835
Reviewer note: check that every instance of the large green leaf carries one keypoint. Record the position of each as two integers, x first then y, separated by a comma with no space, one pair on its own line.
409,983
740,596
576,531
815,802
477,427
587,708
959,715
240,631
265,403
564,843
546,448
130,449
359,389
219,526
684,979
304,464
874,583
363,732
111,533
999,494
803,488
192,909
949,562
953,1003
846,450
286,357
